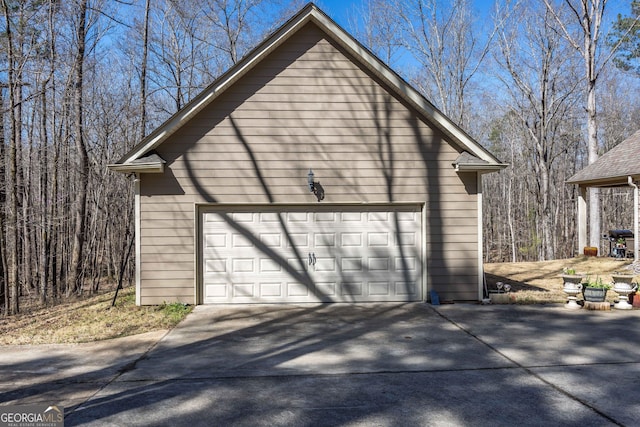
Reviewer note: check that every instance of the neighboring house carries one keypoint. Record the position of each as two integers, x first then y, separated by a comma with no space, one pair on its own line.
618,167
226,213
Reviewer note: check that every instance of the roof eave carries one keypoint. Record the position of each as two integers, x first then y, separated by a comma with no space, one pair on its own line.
488,168
610,181
137,167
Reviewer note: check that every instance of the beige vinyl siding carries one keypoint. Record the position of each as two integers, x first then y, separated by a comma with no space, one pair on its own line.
306,106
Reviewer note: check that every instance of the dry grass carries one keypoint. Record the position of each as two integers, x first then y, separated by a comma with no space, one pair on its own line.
89,319
93,319
540,282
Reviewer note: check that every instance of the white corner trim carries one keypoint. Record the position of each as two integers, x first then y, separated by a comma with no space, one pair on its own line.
480,240
137,237
425,265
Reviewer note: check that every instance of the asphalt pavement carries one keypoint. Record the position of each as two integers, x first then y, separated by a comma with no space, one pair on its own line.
346,365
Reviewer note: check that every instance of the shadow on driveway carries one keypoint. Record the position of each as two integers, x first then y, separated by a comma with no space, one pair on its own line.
372,364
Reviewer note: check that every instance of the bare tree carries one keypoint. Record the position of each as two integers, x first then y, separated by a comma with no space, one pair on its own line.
377,24
442,38
15,110
587,16
540,81
82,158
143,70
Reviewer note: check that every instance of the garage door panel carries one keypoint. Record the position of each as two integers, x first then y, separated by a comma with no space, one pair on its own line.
241,241
298,217
351,240
379,264
295,289
351,289
271,290
351,264
406,239
217,240
271,240
268,265
243,290
379,289
324,240
243,217
406,263
297,240
297,265
406,288
331,254
325,265
243,265
351,217
216,291
215,265
378,239
326,290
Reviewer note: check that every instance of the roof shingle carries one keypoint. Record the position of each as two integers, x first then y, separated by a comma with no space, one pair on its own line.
621,161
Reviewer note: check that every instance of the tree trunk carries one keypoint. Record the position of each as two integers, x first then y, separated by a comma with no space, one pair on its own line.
143,72
592,143
82,159
12,186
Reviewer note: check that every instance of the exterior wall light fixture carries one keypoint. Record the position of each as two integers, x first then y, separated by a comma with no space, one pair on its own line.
310,176
314,186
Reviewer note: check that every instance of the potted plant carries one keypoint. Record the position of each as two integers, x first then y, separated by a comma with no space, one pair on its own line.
595,290
623,285
572,286
570,278
622,278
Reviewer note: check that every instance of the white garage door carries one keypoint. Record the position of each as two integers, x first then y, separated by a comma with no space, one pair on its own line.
312,254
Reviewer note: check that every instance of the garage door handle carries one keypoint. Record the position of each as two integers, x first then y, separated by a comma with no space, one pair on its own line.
312,258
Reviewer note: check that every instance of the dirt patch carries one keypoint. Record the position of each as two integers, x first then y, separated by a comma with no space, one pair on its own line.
540,282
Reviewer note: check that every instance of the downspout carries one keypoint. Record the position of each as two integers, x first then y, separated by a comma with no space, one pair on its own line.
636,238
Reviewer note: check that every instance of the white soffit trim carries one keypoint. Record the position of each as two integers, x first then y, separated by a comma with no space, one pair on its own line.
138,167
369,60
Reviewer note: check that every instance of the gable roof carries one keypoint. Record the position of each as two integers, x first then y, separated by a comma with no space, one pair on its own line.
614,166
310,13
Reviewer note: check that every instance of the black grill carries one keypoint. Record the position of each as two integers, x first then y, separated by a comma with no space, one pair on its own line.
618,234
619,249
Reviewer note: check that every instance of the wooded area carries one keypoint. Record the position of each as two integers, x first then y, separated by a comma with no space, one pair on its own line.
547,86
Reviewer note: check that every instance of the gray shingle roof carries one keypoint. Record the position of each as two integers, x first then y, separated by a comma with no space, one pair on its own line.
621,161
467,162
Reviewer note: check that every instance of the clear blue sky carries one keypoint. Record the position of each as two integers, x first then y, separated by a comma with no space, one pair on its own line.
341,10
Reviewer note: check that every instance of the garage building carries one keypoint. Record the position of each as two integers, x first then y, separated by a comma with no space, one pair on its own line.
309,172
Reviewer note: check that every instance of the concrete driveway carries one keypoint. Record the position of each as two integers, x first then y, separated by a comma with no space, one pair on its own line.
349,365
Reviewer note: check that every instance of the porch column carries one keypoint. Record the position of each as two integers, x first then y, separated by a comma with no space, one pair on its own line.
582,218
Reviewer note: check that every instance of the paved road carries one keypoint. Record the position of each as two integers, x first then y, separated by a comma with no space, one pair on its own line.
348,365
